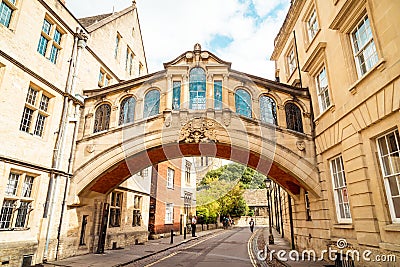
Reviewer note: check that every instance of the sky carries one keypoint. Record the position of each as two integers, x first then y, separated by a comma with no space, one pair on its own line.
238,31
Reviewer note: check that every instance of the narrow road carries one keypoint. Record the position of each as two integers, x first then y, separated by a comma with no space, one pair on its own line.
228,248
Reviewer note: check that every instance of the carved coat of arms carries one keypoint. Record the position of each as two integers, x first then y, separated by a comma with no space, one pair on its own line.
198,130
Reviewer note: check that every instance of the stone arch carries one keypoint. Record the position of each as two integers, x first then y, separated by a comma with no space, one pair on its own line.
298,102
272,94
282,162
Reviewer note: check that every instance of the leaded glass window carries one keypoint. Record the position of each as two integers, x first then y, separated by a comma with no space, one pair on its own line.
217,94
268,110
127,114
243,103
26,120
39,127
197,89
176,96
22,214
27,186
12,184
312,25
6,13
115,209
293,117
6,213
44,103
151,103
31,96
102,118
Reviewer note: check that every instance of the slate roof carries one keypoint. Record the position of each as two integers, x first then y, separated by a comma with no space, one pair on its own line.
86,22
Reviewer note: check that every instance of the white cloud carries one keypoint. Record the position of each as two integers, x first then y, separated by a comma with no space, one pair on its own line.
172,27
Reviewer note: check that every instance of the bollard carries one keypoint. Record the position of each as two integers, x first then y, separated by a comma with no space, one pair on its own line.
184,232
172,236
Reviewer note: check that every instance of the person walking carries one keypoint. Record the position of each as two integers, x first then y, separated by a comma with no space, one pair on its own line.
193,223
251,225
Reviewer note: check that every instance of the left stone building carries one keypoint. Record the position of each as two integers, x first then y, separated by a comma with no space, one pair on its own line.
47,58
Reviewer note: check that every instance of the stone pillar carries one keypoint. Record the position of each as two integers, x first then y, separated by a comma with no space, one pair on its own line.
225,91
281,116
210,92
139,108
185,92
169,94
88,128
255,108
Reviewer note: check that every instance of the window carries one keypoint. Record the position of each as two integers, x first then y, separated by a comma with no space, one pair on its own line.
102,118
217,94
137,213
50,40
312,26
389,154
340,190
364,49
104,78
268,110
129,60
35,112
130,63
291,61
115,209
83,230
7,8
176,95
322,90
144,173
204,161
187,203
127,113
117,41
17,201
197,88
188,166
307,204
243,103
170,178
151,103
169,213
140,68
293,117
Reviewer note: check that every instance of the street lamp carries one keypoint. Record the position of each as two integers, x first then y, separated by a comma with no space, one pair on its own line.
268,187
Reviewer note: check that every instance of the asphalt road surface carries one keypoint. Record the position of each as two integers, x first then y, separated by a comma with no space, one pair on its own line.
227,248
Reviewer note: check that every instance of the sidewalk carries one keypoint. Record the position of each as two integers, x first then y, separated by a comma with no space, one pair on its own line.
283,244
121,257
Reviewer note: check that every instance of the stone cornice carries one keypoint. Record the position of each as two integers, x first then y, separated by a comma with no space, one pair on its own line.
287,27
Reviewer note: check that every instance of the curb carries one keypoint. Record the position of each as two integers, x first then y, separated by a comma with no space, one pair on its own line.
165,249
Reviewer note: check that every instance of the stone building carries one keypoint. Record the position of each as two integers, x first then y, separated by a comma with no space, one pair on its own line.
347,53
47,58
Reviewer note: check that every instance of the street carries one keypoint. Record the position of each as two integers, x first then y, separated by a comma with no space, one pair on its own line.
227,248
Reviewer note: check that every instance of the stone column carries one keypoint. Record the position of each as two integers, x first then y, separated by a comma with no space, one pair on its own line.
139,108
169,93
185,92
210,92
225,91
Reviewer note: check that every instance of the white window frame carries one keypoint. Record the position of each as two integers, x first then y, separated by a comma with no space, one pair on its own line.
170,178
364,47
339,188
387,176
312,21
323,92
169,213
291,61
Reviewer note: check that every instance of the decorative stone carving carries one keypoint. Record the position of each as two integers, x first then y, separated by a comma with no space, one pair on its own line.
205,55
198,130
226,118
90,148
167,119
301,145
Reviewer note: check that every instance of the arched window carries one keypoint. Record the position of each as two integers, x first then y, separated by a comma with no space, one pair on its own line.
268,110
102,118
151,103
293,117
127,114
243,103
197,88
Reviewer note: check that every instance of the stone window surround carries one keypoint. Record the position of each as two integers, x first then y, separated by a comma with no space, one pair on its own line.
104,78
15,14
116,207
50,38
309,11
18,198
36,108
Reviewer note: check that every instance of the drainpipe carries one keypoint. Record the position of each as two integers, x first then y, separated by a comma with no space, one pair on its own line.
291,222
59,149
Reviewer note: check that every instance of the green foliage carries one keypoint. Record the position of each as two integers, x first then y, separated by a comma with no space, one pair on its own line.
221,192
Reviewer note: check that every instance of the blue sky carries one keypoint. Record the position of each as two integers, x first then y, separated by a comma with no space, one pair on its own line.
238,31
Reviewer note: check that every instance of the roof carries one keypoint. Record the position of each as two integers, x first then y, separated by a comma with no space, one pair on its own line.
255,197
86,22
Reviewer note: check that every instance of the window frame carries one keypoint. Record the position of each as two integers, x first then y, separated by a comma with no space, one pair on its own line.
170,178
137,211
323,106
51,44
13,7
389,196
339,189
312,36
115,209
104,122
249,113
273,106
365,46
124,117
169,210
188,167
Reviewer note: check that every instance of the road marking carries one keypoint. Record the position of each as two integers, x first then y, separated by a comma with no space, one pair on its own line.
250,248
175,253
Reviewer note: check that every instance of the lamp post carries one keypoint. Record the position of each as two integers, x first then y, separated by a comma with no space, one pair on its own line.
268,187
